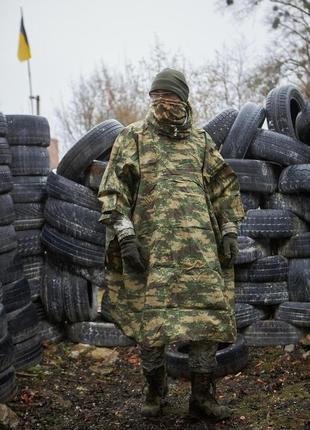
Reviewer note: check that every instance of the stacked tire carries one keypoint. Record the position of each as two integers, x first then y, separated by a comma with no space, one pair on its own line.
8,238
7,370
75,239
23,322
29,137
16,296
272,272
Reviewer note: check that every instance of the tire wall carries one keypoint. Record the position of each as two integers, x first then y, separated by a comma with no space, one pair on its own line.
273,168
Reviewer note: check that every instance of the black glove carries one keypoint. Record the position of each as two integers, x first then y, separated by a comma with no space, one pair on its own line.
231,248
131,253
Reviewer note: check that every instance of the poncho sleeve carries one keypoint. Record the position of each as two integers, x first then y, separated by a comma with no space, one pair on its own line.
223,188
119,184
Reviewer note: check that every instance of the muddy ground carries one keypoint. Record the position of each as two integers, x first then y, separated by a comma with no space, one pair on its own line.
73,391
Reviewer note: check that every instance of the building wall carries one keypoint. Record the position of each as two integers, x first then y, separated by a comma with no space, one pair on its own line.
53,153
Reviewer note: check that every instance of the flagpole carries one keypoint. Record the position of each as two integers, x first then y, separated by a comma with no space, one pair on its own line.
30,86
29,74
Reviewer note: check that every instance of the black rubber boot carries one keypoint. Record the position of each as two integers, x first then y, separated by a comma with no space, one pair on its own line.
156,391
202,402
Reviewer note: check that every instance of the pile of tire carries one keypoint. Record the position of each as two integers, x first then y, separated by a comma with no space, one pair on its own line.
20,344
29,137
7,354
273,168
74,240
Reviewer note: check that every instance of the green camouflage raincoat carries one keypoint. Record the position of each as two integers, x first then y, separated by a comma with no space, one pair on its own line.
181,196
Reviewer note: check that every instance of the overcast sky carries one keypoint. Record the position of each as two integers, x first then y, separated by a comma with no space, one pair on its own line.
70,37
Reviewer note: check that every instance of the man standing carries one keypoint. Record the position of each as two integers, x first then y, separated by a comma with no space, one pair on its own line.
171,205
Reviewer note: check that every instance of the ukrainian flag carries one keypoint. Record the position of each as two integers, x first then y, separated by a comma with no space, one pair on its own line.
23,52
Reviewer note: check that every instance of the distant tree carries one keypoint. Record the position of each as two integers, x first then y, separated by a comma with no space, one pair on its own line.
290,19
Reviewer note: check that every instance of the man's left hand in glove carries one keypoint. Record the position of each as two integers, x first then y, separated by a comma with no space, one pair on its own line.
231,248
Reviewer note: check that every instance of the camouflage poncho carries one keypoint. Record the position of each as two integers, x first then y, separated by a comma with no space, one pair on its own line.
180,195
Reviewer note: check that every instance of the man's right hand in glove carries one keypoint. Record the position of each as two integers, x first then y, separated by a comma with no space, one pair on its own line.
131,253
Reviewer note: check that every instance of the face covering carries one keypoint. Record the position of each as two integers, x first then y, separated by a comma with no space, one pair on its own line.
170,118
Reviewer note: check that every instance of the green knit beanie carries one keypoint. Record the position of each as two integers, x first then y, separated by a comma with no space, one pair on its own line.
171,80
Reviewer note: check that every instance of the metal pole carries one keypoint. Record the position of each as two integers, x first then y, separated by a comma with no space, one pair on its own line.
38,104
30,86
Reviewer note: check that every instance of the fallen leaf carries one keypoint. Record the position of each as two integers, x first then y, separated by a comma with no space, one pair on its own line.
101,370
134,360
27,397
107,355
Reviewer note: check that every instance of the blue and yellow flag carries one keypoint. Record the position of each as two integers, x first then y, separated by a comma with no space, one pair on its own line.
23,52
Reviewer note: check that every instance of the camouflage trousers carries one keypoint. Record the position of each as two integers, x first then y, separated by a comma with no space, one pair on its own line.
201,357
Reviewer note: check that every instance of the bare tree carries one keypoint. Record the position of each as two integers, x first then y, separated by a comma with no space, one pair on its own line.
290,19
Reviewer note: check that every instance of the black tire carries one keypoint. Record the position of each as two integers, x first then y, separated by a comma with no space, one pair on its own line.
268,269
3,125
250,118
295,313
40,309
74,220
33,271
7,352
255,175
250,250
7,384
28,216
7,214
271,332
29,242
94,174
271,223
67,297
261,293
250,200
8,238
303,124
299,280
298,204
23,323
272,146
50,333
28,130
29,189
231,358
29,160
7,258
283,104
3,322
295,179
28,353
246,314
6,180
74,250
63,189
297,246
5,152
16,295
96,143
97,333
218,127
13,272
52,292
80,301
